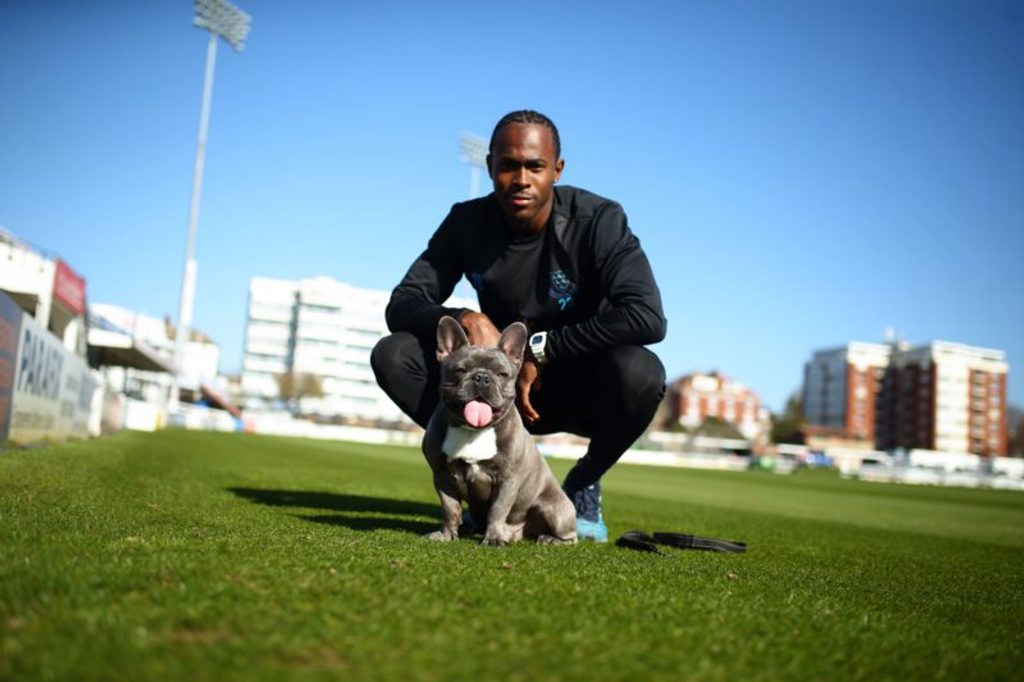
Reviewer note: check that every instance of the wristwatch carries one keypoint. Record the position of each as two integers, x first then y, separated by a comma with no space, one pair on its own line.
538,342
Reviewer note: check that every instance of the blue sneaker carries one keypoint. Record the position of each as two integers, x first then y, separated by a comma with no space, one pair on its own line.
589,524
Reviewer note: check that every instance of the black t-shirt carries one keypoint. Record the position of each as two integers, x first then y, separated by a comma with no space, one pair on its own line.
584,279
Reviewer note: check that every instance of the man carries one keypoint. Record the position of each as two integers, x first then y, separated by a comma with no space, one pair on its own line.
563,261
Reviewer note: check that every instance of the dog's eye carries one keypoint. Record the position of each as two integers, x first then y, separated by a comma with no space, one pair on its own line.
453,376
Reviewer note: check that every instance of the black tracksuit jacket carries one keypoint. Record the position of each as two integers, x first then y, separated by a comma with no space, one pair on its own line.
584,279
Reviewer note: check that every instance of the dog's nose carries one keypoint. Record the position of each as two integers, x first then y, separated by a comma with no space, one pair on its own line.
482,379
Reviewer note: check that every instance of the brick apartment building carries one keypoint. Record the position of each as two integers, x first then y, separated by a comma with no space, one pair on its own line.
938,396
695,397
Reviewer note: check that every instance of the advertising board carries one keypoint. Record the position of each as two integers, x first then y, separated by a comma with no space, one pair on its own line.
10,330
69,289
53,389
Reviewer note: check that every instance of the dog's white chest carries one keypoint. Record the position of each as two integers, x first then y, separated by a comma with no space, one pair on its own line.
470,445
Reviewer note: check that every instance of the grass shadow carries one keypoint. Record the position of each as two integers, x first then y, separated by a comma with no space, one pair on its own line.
370,523
358,512
338,502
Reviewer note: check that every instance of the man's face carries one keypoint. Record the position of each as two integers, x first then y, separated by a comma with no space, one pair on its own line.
524,168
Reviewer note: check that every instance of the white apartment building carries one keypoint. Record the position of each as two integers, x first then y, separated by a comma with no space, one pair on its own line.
268,336
323,327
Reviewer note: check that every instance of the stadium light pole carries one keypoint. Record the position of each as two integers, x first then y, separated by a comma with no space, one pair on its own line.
223,20
473,150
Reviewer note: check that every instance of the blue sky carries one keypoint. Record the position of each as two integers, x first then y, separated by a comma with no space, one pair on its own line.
801,174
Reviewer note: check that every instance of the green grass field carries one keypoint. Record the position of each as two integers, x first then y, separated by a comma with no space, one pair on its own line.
182,555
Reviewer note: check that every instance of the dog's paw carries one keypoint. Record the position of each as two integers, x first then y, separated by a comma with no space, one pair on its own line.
494,541
443,535
555,540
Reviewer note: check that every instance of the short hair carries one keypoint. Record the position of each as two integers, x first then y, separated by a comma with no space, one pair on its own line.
527,116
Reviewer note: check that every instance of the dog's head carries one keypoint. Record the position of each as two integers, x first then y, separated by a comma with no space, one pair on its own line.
478,385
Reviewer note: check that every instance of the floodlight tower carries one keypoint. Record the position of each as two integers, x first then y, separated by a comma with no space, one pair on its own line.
224,20
473,150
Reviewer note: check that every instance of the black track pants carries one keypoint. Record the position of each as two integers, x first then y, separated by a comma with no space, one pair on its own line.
610,397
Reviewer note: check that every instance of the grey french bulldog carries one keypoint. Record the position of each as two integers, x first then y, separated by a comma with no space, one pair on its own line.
481,453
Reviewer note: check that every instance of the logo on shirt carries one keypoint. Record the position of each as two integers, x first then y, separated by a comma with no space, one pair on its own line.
562,289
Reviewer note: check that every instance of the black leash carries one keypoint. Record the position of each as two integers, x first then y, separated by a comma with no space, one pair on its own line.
642,542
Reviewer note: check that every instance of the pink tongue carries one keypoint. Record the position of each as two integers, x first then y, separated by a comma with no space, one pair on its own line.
477,413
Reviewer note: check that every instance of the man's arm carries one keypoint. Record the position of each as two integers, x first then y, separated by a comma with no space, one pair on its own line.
415,304
632,313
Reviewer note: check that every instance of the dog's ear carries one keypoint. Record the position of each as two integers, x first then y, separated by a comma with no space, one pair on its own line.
450,337
513,342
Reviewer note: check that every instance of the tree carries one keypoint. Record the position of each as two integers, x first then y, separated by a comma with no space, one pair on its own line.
786,427
294,386
1015,431
719,428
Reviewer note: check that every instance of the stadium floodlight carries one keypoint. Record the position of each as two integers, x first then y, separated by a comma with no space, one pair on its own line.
224,20
473,150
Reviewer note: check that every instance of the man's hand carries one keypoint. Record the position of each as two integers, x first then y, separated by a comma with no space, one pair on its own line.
529,378
479,329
